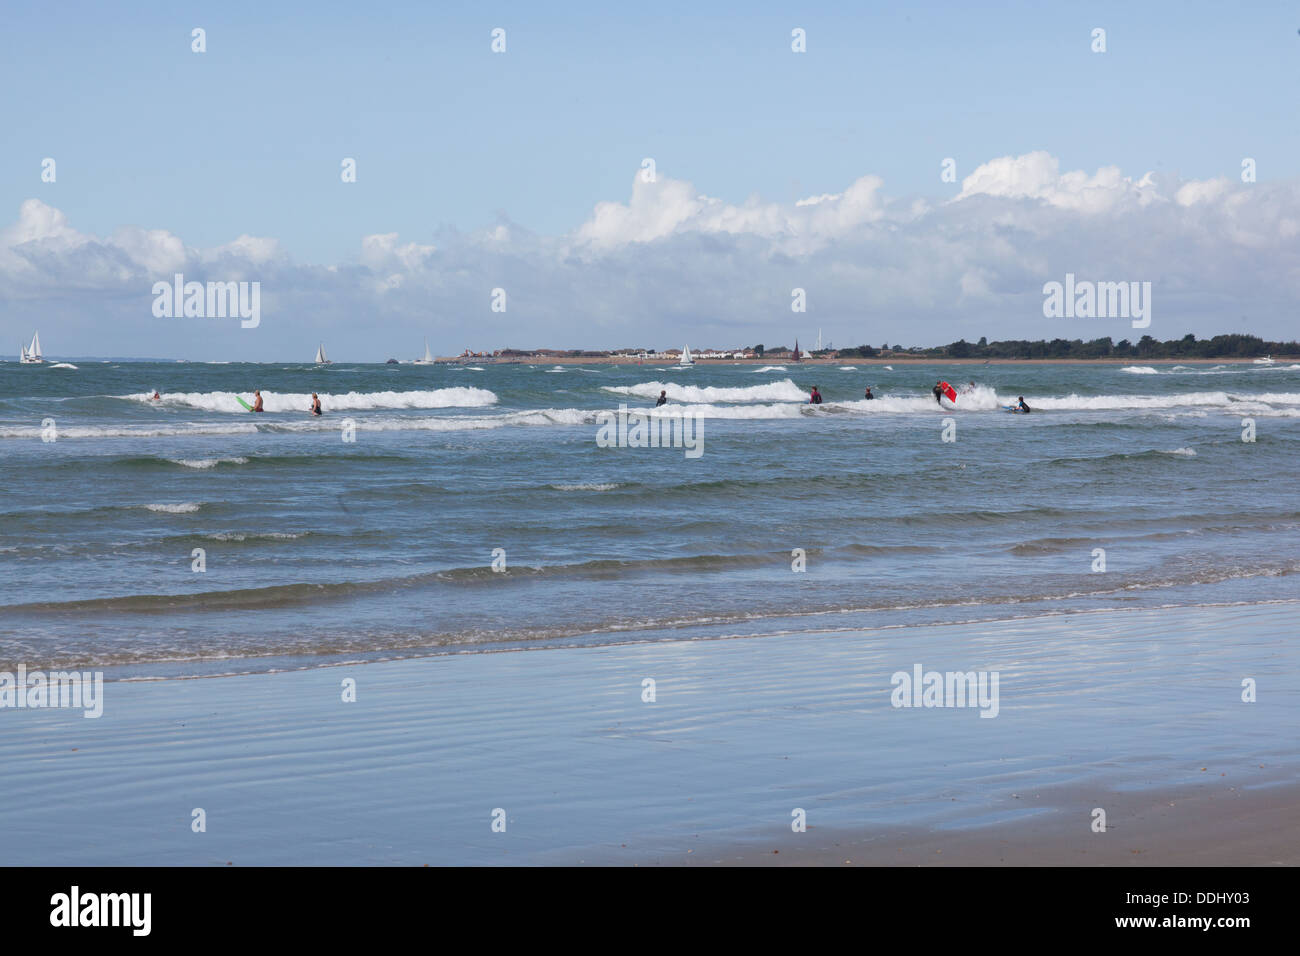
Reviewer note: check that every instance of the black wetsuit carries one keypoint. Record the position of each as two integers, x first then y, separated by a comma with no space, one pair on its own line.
869,395
1023,407
315,409
816,398
938,395
663,400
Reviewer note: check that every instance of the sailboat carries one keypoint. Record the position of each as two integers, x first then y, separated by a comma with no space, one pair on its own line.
320,355
428,356
686,360
796,356
1266,360
32,356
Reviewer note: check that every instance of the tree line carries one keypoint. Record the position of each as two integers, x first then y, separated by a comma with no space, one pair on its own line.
1189,346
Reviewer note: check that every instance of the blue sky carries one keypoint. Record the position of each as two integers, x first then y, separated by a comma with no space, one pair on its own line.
452,141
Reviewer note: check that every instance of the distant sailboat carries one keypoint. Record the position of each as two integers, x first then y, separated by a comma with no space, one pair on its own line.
1266,360
428,356
796,355
32,356
320,355
686,360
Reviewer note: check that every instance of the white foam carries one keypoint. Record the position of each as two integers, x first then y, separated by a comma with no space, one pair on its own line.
208,462
587,486
771,368
1139,370
168,431
301,401
255,536
185,507
782,391
1185,452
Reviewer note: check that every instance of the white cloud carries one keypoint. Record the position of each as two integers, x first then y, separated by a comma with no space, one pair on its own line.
669,260
1038,176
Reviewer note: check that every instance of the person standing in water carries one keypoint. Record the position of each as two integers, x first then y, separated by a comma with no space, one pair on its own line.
257,401
869,396
315,404
938,394
816,397
663,399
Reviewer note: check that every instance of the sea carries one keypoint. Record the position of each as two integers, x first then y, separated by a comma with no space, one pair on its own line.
450,509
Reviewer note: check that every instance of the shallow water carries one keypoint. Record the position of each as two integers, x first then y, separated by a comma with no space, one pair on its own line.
319,550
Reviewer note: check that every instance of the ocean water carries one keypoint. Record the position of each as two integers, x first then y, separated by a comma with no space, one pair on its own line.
319,550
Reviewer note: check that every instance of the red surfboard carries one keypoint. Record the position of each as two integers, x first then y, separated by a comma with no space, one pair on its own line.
949,391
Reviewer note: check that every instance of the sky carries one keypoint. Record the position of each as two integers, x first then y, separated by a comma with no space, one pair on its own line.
522,171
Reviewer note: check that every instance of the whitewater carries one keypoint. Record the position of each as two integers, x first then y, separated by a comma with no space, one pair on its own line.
370,531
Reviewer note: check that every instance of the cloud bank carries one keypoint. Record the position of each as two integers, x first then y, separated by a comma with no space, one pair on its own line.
668,263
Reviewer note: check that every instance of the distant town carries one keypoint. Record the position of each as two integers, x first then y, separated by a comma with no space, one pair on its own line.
1187,348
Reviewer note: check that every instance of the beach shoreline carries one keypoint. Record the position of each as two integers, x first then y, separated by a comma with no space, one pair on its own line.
583,762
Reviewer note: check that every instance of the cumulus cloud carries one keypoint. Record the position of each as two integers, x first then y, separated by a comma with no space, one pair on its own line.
1038,176
667,260
667,207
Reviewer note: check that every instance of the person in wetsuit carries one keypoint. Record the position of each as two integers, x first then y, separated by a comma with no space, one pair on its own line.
315,404
869,396
938,394
816,397
1022,407
663,399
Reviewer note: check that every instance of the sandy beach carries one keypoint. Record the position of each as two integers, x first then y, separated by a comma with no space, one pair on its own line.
1137,712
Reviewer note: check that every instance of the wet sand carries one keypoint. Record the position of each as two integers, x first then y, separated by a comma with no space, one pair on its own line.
1138,712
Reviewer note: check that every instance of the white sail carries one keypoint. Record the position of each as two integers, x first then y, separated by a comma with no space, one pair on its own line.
320,354
32,354
686,356
428,356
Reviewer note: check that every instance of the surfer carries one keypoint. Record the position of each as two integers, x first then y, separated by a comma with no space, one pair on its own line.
869,396
156,396
816,397
257,402
1022,407
663,399
938,393
315,404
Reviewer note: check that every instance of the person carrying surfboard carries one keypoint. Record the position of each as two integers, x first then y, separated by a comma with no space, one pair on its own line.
938,394
1022,407
257,401
943,388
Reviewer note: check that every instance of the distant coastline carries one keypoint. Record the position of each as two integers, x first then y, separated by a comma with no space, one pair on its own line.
886,360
